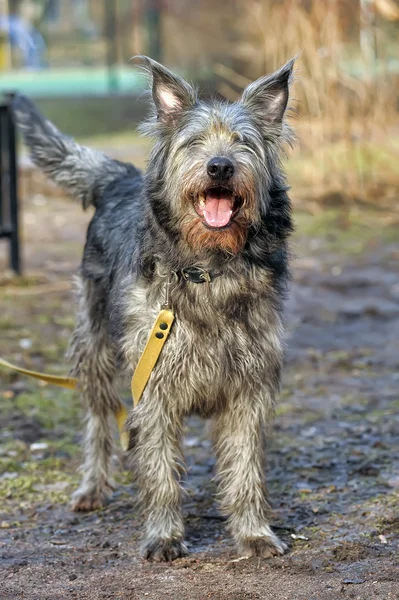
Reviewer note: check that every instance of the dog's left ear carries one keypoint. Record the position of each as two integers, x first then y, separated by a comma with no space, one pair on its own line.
171,93
268,96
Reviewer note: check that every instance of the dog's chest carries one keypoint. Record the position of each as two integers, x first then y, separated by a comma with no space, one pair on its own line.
211,352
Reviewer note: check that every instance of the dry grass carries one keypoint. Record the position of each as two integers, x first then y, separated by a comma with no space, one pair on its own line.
344,97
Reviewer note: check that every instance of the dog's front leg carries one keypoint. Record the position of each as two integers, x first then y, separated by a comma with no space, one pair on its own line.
239,447
157,460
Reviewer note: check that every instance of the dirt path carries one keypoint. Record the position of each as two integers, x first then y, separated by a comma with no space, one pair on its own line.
333,460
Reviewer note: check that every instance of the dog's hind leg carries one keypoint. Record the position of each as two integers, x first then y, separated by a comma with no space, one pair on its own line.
243,493
94,366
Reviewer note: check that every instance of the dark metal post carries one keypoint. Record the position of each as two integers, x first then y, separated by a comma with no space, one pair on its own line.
2,168
8,183
13,188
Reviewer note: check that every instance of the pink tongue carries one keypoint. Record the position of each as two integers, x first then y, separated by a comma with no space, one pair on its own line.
218,210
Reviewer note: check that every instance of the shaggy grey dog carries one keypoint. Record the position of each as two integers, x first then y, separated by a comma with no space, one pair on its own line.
209,221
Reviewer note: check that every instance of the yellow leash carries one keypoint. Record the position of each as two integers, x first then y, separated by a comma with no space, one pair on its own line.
65,382
157,338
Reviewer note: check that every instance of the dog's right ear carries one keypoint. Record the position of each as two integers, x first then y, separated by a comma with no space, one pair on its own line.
171,93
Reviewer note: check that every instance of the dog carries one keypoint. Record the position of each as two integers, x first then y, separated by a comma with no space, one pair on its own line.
209,222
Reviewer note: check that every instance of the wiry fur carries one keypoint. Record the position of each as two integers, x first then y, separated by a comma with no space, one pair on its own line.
224,354
83,172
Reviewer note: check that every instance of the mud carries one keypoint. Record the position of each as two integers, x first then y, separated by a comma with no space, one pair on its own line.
333,458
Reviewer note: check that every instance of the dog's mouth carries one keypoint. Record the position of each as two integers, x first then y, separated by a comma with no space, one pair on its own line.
217,206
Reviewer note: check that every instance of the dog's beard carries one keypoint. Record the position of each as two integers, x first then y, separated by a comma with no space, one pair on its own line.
198,233
230,240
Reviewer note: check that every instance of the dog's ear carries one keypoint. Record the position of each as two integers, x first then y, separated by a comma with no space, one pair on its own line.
267,97
171,93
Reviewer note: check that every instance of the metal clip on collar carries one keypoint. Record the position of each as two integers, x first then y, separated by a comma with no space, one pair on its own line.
196,275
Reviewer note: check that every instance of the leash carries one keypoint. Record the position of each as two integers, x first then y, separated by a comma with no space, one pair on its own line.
71,383
148,359
156,341
157,338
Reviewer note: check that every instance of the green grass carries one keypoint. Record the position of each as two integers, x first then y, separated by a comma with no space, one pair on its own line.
350,230
46,481
51,407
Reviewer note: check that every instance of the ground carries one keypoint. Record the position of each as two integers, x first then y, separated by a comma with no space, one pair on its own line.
333,457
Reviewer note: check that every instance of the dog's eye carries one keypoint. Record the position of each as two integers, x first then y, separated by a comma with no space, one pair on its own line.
237,137
194,143
189,144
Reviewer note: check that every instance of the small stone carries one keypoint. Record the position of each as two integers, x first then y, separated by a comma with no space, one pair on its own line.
309,432
299,537
58,486
25,343
354,581
9,475
38,447
39,200
383,539
192,442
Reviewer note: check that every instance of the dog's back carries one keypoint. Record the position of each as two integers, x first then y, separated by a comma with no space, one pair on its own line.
85,173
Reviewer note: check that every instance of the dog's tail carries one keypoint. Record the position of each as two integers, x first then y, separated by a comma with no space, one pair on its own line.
83,172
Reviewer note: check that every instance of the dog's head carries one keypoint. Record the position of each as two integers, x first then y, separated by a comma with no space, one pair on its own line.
212,167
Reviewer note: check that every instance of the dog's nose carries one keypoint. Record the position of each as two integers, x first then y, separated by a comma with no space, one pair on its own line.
220,168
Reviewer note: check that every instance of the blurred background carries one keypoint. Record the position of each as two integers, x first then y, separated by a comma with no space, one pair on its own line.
73,57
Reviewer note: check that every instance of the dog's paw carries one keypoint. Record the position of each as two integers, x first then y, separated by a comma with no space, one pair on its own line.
265,546
164,550
84,500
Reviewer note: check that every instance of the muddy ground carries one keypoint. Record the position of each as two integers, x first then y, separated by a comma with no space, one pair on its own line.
333,460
